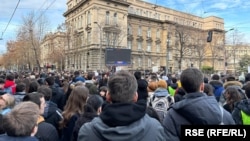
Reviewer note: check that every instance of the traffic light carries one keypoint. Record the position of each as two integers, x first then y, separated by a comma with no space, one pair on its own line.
210,35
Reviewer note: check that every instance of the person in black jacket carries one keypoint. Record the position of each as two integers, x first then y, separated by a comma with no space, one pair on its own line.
52,114
242,108
91,110
142,86
57,93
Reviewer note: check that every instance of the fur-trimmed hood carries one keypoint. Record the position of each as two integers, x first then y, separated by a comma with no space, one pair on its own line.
232,83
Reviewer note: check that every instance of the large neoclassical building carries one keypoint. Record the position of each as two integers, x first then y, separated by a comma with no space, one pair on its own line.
157,36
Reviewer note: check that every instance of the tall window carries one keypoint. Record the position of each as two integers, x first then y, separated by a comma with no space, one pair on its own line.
149,32
149,46
89,18
115,18
88,37
139,62
139,45
107,17
149,62
129,30
129,44
139,31
158,33
157,47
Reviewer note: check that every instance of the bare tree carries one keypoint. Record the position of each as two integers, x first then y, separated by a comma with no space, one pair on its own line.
236,41
197,46
182,34
34,28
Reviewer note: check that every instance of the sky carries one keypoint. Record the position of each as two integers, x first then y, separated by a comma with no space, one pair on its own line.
236,14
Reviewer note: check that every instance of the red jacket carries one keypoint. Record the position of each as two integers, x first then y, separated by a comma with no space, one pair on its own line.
11,84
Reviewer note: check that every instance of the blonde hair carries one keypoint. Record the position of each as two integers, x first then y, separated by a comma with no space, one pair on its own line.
10,100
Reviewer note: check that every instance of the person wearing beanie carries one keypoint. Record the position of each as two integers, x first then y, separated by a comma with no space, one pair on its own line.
142,86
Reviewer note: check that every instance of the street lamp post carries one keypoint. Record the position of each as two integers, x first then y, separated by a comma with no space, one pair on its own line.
100,44
167,53
225,52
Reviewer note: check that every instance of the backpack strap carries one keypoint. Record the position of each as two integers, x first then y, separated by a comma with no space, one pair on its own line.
222,115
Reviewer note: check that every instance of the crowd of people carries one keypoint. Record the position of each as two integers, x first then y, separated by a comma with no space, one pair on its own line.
123,106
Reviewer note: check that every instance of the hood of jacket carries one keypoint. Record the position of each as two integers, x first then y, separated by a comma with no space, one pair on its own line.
244,105
199,108
50,109
161,92
232,83
121,114
142,84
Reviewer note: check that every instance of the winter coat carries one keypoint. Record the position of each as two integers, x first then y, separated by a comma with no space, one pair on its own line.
9,84
89,115
57,96
67,131
142,89
116,123
52,114
46,131
19,97
218,88
5,137
243,105
195,109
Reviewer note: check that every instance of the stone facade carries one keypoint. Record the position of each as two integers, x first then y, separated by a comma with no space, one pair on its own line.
157,36
53,51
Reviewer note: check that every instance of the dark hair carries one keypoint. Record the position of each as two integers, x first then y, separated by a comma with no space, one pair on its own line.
1,125
76,73
90,75
33,86
95,101
46,91
104,88
50,80
174,80
215,77
233,96
152,113
41,81
137,75
33,97
205,80
191,80
20,87
230,78
10,77
208,89
122,87
2,81
247,89
247,77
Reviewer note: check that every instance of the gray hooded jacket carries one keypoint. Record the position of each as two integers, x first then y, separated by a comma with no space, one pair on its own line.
145,129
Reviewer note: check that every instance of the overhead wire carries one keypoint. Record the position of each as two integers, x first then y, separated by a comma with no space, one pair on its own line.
45,10
10,19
